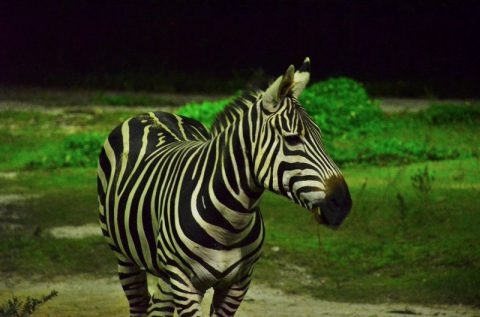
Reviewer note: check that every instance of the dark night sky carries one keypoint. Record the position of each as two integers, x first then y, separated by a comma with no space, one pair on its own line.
369,40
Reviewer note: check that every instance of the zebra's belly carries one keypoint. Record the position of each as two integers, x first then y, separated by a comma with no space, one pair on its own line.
224,269
206,268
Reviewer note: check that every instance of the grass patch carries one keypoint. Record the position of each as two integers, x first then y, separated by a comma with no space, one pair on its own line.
355,130
52,198
412,235
80,150
45,256
384,252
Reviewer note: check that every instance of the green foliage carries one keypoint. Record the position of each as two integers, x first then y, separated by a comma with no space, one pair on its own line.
391,151
440,114
37,139
204,112
373,257
339,105
79,150
422,181
16,308
391,245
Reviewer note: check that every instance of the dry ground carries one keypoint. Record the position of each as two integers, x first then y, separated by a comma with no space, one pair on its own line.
90,296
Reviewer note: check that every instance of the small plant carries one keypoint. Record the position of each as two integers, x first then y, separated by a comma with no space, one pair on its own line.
438,114
422,181
14,307
402,208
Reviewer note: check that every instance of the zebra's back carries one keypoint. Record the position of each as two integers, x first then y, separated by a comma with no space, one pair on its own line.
128,180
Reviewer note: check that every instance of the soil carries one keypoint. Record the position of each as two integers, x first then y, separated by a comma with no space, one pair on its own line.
84,295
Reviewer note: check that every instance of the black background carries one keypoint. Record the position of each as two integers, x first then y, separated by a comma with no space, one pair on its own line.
419,41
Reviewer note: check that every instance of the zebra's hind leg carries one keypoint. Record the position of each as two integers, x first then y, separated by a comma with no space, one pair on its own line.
134,284
226,301
161,302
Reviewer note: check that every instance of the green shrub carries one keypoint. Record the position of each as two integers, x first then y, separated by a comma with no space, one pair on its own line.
339,105
79,150
391,151
447,113
204,112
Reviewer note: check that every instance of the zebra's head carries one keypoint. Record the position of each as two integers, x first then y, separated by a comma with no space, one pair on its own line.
289,156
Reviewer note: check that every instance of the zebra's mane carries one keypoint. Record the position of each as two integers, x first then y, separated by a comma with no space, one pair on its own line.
233,111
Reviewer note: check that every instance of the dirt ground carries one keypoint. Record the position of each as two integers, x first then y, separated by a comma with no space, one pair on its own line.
90,296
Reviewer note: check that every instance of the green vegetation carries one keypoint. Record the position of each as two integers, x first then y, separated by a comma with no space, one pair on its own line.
340,105
356,131
78,150
204,112
17,308
412,235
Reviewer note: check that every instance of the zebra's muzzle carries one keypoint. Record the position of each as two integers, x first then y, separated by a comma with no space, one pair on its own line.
333,210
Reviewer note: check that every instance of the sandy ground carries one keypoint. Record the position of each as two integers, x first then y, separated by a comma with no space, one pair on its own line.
89,296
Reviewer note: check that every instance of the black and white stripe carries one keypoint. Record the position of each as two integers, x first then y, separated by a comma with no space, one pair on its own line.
181,203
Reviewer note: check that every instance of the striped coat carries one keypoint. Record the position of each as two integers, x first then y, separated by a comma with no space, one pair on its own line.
181,203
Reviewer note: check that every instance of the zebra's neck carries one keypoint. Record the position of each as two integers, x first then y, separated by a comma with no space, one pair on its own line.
234,179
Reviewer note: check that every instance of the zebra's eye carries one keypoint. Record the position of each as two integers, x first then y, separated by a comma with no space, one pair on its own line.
293,139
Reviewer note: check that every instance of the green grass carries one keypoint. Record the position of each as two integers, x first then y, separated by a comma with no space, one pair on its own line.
68,138
429,255
400,243
53,198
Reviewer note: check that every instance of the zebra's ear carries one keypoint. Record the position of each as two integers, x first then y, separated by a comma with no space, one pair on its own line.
280,88
301,78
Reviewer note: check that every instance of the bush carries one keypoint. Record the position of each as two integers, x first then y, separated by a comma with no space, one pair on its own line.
339,105
204,112
447,113
388,151
79,150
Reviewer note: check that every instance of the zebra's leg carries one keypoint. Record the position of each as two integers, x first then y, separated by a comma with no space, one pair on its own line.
186,297
226,300
134,284
161,302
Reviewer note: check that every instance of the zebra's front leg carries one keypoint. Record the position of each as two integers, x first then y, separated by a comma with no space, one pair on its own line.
186,297
134,284
161,302
226,300
187,300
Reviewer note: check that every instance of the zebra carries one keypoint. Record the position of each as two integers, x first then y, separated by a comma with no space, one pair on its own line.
181,202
